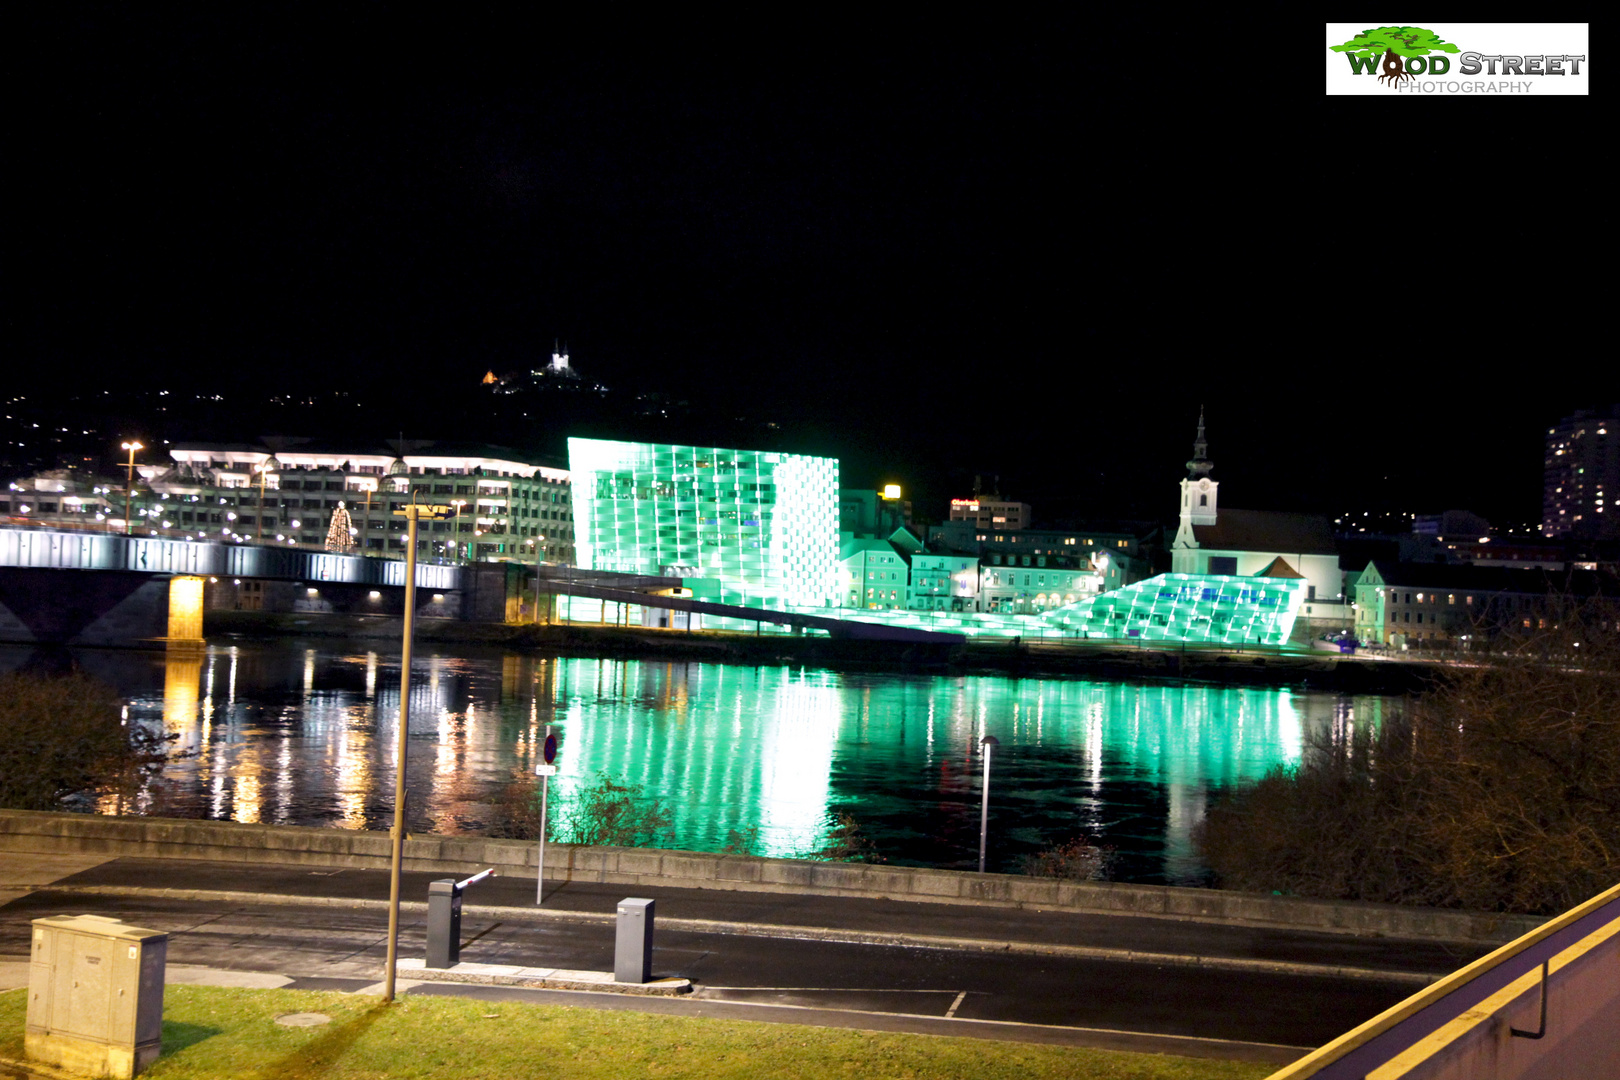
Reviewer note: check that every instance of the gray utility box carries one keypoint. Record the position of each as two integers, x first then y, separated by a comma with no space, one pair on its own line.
633,941
95,995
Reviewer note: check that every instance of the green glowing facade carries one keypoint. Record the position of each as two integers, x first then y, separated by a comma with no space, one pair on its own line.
761,526
1210,609
1215,608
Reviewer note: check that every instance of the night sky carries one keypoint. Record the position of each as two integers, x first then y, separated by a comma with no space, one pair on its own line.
933,252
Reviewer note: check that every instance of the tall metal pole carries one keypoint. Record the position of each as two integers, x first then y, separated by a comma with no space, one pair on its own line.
258,533
399,773
129,487
540,874
539,551
989,743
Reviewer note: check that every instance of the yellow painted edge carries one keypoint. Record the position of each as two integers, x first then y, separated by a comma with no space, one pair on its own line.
1333,1051
1437,1040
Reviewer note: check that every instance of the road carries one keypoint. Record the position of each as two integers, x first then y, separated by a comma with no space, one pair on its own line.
1121,981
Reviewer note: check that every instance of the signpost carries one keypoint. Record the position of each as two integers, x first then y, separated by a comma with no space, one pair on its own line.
546,770
412,514
989,743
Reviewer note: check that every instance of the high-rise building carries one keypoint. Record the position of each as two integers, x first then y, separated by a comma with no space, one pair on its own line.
1581,475
748,527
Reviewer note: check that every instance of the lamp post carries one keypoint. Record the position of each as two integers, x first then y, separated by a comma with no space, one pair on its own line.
989,743
261,468
411,514
129,486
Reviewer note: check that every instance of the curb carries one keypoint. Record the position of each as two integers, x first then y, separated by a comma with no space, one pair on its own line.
806,933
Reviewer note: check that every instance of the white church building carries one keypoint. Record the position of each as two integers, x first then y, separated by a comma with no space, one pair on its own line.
1211,539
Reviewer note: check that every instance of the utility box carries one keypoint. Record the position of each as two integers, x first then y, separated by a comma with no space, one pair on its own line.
95,995
633,941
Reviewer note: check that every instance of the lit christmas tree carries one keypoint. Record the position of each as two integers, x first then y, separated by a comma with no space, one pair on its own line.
340,537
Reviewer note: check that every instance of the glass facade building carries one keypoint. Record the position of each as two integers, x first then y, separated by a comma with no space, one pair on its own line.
758,527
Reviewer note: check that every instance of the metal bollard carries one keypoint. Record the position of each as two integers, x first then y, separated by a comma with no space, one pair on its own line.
444,920
633,941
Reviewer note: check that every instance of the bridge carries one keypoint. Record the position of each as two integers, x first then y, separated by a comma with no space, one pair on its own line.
150,587
82,588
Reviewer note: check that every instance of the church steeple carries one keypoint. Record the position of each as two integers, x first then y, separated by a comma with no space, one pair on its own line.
1200,465
1198,498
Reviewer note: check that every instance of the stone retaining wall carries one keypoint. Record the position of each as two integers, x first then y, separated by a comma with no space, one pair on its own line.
223,841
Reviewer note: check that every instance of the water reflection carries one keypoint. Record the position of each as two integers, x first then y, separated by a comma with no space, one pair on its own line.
306,734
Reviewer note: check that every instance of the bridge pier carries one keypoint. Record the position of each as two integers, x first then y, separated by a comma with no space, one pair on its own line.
186,610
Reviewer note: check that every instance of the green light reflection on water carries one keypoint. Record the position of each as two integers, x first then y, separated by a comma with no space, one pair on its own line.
306,736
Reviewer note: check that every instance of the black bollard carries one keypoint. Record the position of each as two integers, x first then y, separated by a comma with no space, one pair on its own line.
444,924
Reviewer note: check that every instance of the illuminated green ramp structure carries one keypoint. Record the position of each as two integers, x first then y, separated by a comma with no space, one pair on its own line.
750,527
1213,609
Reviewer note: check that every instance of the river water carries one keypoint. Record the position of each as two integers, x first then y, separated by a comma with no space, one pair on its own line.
305,733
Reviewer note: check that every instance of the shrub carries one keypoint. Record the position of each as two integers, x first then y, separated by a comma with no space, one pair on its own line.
614,814
1076,860
606,813
1498,789
65,736
846,842
741,842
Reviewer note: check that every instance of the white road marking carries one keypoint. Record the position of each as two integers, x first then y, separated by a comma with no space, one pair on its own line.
950,1012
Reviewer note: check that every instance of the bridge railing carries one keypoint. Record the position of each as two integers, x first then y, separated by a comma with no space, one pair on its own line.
45,549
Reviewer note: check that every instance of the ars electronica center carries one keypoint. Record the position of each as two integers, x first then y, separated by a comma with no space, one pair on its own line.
759,529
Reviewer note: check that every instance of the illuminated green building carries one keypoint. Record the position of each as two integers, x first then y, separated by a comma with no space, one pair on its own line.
760,526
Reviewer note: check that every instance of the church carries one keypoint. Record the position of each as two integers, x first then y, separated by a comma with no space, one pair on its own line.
1211,539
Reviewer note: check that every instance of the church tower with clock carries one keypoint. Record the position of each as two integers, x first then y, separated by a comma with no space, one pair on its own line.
1198,500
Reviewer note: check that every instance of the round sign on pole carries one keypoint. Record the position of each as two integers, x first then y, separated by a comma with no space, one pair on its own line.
551,748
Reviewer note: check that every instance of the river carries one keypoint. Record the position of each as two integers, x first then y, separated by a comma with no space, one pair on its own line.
304,733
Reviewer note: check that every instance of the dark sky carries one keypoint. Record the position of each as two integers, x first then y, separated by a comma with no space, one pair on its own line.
933,251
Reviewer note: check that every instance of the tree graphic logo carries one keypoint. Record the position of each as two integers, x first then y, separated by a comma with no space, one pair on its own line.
1392,43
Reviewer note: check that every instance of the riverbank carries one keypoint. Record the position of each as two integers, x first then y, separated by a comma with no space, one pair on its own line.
1110,661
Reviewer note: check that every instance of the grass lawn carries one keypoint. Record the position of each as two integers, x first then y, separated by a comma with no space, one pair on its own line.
213,1032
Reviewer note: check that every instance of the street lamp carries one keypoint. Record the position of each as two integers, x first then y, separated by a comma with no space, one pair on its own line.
129,485
261,468
989,744
412,514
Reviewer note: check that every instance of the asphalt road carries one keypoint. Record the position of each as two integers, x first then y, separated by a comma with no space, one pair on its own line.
775,956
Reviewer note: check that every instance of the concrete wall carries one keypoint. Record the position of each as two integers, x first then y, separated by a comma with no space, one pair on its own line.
22,830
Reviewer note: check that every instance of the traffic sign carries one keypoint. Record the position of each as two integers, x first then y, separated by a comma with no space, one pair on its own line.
551,748
545,770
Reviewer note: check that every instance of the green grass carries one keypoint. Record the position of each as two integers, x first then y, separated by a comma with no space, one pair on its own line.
213,1032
